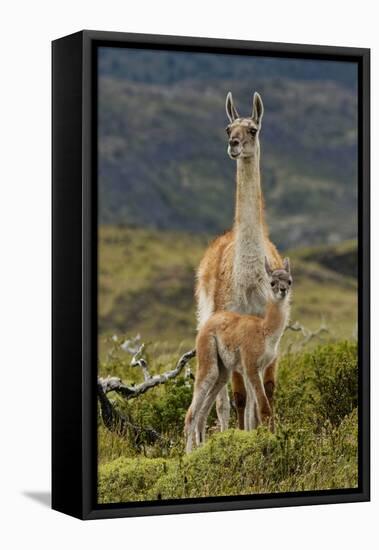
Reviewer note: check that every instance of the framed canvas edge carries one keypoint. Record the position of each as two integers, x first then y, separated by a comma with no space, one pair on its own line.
197,42
67,318
91,510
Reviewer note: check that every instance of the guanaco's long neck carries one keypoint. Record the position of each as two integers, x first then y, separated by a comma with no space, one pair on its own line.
249,223
276,318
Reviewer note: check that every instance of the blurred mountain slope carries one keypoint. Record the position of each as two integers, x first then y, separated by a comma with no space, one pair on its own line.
163,161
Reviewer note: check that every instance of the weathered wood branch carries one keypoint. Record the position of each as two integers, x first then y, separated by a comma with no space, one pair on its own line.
308,334
139,361
114,421
112,383
121,424
112,418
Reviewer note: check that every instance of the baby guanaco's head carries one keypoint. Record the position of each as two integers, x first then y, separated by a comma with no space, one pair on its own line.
280,279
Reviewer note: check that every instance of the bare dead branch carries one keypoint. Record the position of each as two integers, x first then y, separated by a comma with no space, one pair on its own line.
112,383
131,345
121,423
138,361
308,334
114,421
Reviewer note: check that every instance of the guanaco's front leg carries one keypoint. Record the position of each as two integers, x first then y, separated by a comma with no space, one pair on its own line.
264,412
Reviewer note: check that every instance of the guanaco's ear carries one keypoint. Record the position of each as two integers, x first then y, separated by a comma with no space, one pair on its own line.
231,111
257,113
268,267
286,265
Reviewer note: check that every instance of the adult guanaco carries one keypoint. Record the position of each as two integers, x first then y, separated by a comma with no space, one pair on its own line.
231,275
230,342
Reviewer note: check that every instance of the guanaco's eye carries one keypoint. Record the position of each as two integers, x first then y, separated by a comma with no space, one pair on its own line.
227,130
289,283
252,131
272,283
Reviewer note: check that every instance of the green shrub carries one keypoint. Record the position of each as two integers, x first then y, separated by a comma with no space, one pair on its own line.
165,410
128,479
336,379
318,386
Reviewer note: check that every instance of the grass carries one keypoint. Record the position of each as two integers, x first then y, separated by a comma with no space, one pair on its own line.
314,445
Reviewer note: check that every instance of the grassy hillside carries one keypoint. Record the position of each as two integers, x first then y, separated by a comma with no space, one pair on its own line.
146,283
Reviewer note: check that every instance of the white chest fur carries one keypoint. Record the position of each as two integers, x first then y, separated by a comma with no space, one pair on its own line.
270,353
272,341
250,285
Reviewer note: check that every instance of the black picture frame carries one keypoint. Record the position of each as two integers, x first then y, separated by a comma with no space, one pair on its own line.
74,273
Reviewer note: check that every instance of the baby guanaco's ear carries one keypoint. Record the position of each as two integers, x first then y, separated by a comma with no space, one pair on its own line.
286,265
268,267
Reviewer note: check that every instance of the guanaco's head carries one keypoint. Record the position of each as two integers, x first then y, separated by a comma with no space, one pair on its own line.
243,133
280,279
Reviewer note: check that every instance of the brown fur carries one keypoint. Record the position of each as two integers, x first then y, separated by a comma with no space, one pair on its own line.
245,344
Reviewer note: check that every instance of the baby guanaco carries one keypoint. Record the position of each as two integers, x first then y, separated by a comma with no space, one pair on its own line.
247,344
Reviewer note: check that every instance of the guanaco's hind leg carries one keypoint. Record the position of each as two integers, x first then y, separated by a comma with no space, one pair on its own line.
222,399
251,413
219,386
239,395
223,408
207,375
269,380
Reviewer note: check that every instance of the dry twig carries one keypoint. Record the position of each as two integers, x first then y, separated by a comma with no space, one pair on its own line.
308,334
